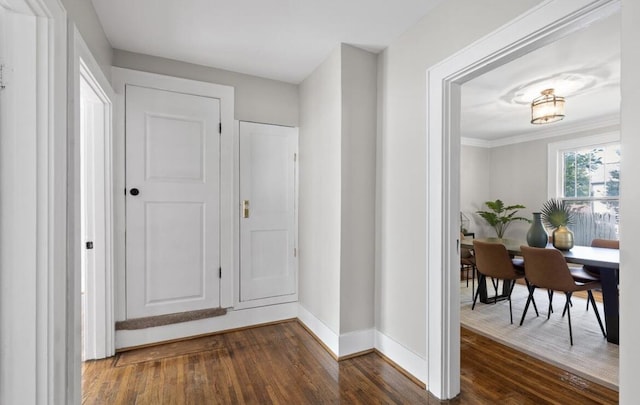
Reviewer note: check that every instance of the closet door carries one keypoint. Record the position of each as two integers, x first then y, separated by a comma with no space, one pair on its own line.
268,257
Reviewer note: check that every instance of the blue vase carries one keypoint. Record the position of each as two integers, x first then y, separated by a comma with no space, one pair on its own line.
537,235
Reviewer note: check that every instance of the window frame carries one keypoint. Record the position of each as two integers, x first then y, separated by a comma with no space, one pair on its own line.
555,163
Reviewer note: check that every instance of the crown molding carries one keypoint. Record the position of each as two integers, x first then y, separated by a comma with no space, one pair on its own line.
601,123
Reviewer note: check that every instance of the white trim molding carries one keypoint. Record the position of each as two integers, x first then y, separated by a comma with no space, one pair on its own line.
411,362
546,132
327,336
35,365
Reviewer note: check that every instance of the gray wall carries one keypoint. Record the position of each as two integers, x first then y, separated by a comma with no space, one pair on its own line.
320,191
359,115
337,190
401,259
475,163
256,99
82,13
516,174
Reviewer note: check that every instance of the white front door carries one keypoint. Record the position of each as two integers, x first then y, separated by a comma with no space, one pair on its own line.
268,262
172,203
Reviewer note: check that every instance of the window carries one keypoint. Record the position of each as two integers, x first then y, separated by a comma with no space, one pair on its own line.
587,177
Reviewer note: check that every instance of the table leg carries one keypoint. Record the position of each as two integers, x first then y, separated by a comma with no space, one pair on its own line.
609,281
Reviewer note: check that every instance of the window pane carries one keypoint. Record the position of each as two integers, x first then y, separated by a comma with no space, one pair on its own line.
613,180
569,174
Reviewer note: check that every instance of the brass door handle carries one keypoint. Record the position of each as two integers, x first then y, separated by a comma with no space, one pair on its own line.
245,208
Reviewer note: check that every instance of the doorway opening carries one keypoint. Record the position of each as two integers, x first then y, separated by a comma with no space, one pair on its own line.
542,25
95,118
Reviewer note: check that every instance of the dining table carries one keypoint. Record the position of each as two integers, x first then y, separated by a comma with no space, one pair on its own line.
606,260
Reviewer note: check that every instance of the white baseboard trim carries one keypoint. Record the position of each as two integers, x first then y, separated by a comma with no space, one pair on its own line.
232,320
357,342
403,357
328,337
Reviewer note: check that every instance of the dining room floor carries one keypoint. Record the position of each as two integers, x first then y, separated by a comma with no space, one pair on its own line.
591,356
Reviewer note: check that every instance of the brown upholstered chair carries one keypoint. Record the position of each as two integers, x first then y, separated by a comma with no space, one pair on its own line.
587,274
493,260
547,268
467,265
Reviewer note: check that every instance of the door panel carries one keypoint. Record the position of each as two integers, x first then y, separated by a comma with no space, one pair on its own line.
268,263
173,153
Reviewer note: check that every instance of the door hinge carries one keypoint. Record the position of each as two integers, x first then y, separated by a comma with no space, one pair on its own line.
295,157
2,84
220,128
220,272
295,252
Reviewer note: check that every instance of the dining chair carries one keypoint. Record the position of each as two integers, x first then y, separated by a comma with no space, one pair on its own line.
586,274
468,264
493,260
547,268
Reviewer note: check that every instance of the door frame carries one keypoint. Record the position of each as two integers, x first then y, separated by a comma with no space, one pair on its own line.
236,223
39,369
120,77
100,334
541,25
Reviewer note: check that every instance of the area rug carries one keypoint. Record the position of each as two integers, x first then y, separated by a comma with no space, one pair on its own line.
590,357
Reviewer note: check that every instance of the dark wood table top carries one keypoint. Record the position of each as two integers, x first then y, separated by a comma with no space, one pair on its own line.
586,255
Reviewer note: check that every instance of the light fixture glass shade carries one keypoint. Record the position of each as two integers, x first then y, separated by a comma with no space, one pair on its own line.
547,108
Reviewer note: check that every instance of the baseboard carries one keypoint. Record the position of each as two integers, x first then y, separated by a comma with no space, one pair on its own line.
329,339
411,363
353,343
232,320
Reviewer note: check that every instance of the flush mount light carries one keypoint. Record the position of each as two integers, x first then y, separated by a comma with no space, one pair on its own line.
547,108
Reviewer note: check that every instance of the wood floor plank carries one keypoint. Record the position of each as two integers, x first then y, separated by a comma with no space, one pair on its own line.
284,364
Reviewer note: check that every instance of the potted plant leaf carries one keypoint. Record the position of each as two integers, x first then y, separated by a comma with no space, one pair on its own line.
500,216
557,214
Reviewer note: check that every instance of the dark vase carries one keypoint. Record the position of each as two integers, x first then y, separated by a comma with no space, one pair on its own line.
537,235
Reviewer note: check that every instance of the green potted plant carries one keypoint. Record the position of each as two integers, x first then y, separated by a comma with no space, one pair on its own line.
556,214
500,216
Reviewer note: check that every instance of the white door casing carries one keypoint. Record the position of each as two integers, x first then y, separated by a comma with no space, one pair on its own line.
268,181
541,25
173,225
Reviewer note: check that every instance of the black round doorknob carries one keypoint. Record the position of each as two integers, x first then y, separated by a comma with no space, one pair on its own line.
134,191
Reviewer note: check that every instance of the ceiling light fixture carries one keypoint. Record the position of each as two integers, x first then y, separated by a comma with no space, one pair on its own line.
547,108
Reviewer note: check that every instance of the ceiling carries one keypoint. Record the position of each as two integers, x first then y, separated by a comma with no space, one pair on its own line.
287,39
277,39
584,67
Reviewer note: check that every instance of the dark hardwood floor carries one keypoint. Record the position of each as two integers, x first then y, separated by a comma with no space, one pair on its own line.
284,364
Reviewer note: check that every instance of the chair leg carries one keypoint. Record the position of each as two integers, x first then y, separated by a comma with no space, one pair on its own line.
529,299
475,298
473,279
533,300
513,284
595,309
550,310
567,309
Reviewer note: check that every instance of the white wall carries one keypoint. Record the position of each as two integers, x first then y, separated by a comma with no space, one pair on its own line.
401,278
82,13
629,197
256,99
359,116
320,147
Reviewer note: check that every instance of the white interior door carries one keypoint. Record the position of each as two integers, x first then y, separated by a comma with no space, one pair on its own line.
172,203
268,262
